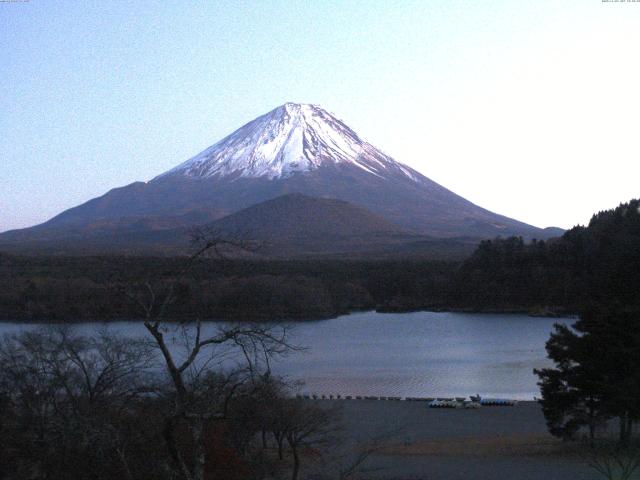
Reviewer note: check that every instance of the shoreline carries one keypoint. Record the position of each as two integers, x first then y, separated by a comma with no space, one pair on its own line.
311,318
411,400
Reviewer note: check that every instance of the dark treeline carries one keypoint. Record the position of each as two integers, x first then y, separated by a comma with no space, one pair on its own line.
561,275
510,275
77,288
502,275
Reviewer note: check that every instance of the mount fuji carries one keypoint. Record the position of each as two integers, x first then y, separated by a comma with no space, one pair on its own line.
295,148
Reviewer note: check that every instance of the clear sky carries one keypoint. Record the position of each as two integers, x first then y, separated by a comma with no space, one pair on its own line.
528,108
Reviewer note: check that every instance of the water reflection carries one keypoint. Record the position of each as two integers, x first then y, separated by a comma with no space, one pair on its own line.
409,354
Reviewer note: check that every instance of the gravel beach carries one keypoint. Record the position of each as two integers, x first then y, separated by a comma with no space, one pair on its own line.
417,442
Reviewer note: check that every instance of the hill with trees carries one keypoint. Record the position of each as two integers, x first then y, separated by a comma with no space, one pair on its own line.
561,275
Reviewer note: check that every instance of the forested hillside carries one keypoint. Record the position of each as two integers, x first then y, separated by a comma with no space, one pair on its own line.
555,277
560,275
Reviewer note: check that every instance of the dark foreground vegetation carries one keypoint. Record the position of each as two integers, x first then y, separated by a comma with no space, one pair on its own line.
106,407
503,275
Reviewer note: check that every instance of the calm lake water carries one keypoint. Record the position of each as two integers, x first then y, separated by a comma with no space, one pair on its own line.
407,354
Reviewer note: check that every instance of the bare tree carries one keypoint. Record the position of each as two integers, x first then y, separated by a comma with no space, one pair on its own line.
256,343
614,461
308,427
69,397
355,466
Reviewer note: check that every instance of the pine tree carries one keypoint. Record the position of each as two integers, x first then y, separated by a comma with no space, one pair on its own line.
597,361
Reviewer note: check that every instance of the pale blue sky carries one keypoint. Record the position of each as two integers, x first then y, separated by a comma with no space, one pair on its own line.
528,108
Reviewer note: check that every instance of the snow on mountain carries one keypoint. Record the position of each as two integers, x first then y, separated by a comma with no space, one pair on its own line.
291,138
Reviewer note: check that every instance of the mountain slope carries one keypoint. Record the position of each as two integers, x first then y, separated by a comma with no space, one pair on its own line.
297,225
295,217
290,226
292,149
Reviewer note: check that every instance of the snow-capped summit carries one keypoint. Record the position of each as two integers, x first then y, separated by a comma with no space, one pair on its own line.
291,138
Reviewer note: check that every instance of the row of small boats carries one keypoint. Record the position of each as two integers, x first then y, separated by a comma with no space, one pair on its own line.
475,402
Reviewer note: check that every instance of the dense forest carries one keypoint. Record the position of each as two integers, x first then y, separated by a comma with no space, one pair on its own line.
564,274
75,288
503,275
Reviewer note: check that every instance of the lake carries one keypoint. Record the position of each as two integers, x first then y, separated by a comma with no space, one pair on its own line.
430,354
